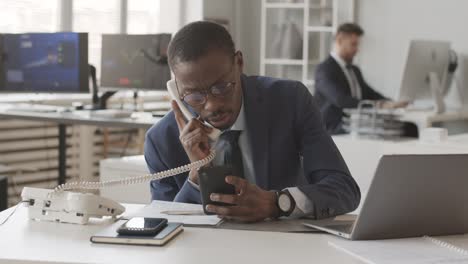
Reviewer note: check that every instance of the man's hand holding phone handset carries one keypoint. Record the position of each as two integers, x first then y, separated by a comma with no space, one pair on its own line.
250,203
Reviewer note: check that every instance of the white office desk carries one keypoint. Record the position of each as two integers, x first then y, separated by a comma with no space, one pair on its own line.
362,155
26,241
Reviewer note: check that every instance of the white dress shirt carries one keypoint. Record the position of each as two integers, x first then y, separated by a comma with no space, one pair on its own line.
356,91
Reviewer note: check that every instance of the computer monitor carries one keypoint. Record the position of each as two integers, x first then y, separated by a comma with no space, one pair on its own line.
462,84
44,62
135,61
427,73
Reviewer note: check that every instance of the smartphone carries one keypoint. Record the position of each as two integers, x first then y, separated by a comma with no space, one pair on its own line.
142,226
212,180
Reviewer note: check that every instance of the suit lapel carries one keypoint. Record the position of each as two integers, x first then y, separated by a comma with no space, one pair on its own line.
256,114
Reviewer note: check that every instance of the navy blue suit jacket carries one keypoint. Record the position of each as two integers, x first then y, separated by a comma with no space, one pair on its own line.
288,141
333,93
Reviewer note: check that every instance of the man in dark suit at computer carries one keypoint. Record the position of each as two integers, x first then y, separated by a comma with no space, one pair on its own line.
340,84
286,162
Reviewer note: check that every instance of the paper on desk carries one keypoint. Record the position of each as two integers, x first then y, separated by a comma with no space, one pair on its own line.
156,207
417,250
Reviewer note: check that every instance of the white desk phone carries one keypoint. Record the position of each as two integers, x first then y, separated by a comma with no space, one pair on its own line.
72,207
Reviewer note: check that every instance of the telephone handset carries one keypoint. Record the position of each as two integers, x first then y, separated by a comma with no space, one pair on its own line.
173,92
211,179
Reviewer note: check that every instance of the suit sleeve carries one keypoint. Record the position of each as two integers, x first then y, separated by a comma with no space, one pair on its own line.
188,194
369,92
166,189
373,94
328,85
331,188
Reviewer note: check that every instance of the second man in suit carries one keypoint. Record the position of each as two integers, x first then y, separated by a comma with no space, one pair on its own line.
339,83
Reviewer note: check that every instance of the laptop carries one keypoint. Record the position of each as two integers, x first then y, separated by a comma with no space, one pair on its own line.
409,196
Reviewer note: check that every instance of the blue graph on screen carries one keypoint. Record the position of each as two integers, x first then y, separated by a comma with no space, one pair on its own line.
44,62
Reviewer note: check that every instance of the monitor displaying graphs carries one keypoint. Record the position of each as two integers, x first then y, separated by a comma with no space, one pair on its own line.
135,61
44,62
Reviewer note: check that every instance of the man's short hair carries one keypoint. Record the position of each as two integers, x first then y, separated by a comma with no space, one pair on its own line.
350,28
196,39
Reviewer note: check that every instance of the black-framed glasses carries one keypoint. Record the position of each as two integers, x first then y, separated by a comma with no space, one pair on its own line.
199,97
218,90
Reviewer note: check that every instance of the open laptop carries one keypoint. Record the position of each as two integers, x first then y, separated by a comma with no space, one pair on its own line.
410,195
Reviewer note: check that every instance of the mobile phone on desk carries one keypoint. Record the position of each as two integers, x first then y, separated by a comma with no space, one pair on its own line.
142,226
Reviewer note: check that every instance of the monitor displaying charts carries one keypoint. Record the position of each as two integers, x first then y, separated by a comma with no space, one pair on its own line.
135,61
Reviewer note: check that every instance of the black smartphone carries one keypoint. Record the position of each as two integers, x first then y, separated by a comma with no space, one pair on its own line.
212,180
142,226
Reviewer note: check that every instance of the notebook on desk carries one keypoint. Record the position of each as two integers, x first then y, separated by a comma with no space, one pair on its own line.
110,236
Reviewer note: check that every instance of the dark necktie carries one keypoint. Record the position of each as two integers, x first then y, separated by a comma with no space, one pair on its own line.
228,152
355,90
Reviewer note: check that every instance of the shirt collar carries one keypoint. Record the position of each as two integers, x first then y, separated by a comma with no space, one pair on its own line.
338,59
240,121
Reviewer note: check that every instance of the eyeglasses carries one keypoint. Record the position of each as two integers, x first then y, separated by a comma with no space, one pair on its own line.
219,90
199,97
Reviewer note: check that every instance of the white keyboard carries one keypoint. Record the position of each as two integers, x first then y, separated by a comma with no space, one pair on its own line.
35,108
112,113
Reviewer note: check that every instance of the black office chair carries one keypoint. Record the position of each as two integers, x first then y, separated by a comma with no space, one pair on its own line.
3,193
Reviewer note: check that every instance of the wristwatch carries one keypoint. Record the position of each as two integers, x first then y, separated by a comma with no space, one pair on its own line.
285,203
